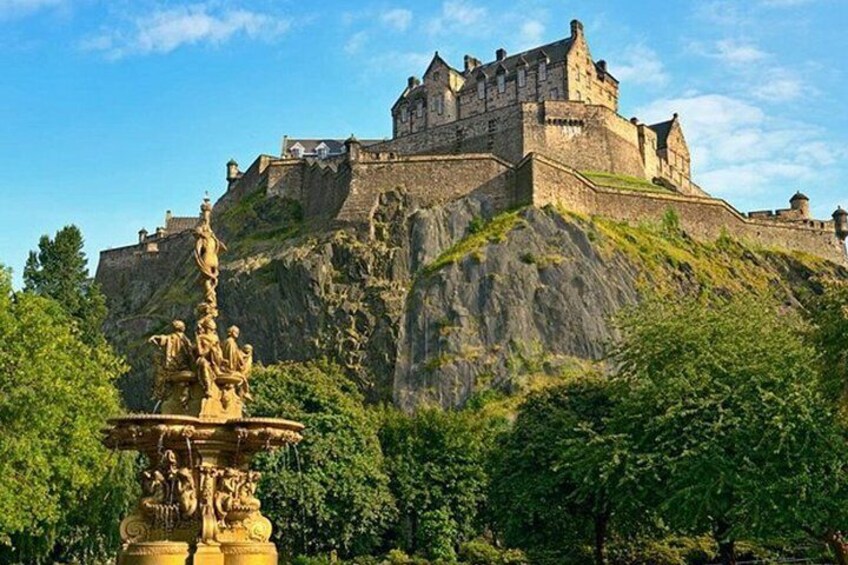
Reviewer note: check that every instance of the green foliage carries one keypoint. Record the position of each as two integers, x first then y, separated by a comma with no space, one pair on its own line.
610,180
58,270
481,552
554,480
828,313
437,468
257,222
331,493
56,392
492,232
727,430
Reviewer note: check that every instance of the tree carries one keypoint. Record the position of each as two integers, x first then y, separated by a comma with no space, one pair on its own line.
436,461
330,493
58,270
729,431
56,393
554,481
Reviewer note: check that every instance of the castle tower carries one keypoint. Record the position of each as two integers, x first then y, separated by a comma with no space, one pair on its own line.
232,170
801,204
840,223
142,235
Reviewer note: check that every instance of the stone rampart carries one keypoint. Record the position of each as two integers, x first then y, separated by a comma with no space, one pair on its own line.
702,218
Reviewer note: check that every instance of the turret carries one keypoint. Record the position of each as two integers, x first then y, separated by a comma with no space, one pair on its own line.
840,223
801,204
353,148
232,170
142,235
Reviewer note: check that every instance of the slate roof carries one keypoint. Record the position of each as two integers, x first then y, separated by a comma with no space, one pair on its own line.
555,51
662,129
179,224
335,146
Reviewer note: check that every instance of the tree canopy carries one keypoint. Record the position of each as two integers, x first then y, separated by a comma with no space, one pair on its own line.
330,493
58,270
56,392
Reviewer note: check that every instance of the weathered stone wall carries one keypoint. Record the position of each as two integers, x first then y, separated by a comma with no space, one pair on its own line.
702,218
498,132
427,181
585,83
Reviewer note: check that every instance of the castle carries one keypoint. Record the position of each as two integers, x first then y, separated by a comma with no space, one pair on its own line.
534,128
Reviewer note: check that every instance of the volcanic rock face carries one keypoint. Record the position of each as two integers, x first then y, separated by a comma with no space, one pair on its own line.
430,305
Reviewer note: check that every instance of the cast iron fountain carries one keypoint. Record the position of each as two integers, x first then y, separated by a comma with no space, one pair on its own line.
199,502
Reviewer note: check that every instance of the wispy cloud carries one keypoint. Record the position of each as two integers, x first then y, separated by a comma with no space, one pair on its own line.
530,34
738,149
397,19
163,31
639,65
783,3
738,52
456,15
356,42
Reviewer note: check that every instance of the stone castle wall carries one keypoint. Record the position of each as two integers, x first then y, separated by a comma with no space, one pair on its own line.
702,218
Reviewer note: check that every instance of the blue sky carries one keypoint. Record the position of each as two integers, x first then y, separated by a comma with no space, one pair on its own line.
113,112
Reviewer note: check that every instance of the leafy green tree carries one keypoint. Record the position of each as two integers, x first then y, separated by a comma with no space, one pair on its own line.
729,431
554,481
828,314
330,493
58,270
436,461
56,392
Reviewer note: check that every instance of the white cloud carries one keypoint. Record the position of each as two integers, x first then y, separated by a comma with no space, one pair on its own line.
164,31
780,85
457,15
356,42
739,150
530,34
397,19
639,65
737,52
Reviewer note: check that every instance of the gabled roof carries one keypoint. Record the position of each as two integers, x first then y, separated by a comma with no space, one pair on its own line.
555,51
438,58
662,130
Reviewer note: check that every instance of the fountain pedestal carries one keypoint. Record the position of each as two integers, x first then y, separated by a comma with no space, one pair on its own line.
199,504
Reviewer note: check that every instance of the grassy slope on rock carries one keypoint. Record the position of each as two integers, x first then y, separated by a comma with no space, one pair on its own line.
610,180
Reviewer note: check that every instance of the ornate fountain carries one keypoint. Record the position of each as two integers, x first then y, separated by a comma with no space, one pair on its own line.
199,502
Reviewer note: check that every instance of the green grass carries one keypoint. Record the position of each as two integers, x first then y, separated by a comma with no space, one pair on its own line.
610,180
483,233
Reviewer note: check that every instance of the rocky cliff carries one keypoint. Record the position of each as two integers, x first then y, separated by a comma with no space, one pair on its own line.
436,304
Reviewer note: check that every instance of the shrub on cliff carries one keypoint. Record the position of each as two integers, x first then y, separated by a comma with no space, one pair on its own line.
330,493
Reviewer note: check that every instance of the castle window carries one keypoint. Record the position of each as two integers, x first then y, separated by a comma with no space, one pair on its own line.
554,94
439,103
543,70
436,76
322,151
404,114
493,126
419,108
481,89
501,82
296,151
522,76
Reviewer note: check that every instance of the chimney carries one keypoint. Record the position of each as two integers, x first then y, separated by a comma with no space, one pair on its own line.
500,54
142,235
602,67
471,63
576,28
232,170
412,82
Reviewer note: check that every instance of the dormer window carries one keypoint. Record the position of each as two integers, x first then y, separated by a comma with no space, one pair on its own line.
322,151
481,88
543,70
501,82
522,76
296,151
404,114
